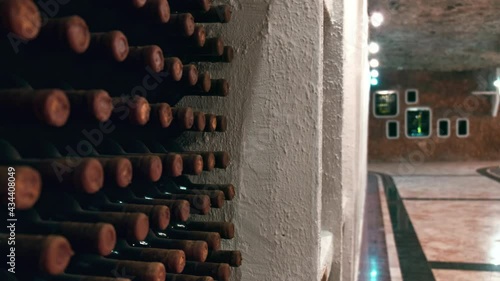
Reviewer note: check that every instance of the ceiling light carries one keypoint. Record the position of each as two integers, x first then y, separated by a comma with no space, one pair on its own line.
373,48
374,63
377,19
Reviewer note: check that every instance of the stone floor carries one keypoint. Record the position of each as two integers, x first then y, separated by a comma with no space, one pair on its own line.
441,222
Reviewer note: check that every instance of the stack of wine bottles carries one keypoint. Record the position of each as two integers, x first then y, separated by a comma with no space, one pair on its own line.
94,185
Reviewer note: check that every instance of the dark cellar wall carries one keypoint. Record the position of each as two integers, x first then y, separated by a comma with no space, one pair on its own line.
449,95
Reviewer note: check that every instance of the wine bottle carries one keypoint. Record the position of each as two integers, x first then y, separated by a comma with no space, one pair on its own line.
19,185
227,189
178,26
221,14
96,238
194,250
173,163
50,107
199,203
161,115
221,123
85,175
179,209
173,260
174,44
112,44
189,5
183,277
63,34
146,56
21,18
96,265
199,121
225,229
117,170
46,254
112,14
73,277
218,88
62,207
172,93
210,122
146,167
213,239
221,159
213,47
218,271
159,215
136,110
233,258
192,163
227,56
90,105
183,117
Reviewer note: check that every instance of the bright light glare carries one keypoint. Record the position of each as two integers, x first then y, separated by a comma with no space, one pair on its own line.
377,19
497,83
373,48
374,82
374,63
374,73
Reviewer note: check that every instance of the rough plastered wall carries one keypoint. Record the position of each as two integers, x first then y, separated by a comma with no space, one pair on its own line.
277,137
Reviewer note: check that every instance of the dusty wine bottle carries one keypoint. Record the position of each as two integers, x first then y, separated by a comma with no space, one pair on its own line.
96,265
218,271
46,254
63,34
213,239
159,215
183,277
74,277
90,105
211,122
113,44
227,56
199,203
161,115
146,56
20,18
179,209
51,107
85,175
173,260
146,167
136,109
225,229
96,238
233,258
172,162
194,250
62,207
20,185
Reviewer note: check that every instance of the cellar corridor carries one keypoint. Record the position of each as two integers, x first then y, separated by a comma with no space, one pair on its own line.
440,221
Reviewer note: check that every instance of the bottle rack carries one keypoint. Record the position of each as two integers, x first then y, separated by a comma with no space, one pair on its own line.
88,128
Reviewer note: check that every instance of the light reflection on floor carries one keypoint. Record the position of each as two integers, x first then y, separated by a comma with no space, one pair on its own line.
455,213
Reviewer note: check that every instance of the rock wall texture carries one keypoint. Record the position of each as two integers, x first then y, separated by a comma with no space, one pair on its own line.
442,35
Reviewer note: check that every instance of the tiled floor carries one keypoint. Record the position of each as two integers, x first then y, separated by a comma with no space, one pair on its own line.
442,221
